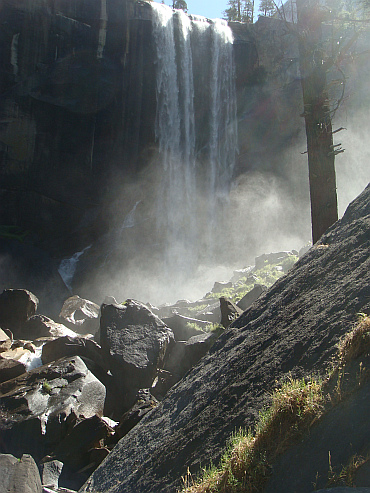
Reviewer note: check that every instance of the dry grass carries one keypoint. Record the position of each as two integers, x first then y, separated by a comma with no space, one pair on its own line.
246,464
346,476
356,342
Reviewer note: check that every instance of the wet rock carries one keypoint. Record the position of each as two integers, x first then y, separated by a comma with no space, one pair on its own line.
19,475
16,307
17,352
135,342
229,311
80,315
251,297
36,406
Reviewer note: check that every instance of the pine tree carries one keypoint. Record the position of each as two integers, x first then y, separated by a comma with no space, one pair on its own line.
240,10
267,8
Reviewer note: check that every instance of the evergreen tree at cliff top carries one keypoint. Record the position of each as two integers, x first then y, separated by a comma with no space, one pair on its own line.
267,8
240,10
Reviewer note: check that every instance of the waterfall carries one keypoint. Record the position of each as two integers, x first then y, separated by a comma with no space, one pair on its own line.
195,130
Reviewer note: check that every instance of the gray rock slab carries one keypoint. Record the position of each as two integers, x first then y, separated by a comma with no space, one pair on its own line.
251,297
293,329
19,475
35,405
50,472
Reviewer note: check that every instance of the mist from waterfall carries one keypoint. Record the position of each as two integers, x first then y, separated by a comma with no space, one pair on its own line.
197,155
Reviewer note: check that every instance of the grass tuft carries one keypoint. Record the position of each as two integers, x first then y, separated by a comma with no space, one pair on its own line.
246,464
356,342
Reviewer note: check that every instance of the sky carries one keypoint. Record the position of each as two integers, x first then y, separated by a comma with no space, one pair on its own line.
209,8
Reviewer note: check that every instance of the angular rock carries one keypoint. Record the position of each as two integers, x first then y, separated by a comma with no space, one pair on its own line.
183,327
19,475
293,329
50,472
73,346
162,384
183,355
16,307
36,405
229,311
251,297
145,402
10,368
80,315
3,336
135,342
74,449
41,326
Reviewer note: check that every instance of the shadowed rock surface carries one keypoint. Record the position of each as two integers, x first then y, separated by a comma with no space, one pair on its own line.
293,328
34,406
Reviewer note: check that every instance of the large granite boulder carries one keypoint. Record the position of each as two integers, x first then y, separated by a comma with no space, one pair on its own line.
19,475
36,405
10,368
292,329
134,342
80,315
16,307
73,346
39,326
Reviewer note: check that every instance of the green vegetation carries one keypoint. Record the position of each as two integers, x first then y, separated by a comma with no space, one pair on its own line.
47,387
245,466
295,406
207,328
267,276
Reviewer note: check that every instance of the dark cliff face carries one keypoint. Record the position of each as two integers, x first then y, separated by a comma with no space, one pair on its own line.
77,100
78,103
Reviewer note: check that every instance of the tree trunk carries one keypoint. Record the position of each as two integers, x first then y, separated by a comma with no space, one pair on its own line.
324,210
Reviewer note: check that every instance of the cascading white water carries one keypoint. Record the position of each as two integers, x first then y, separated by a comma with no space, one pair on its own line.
197,156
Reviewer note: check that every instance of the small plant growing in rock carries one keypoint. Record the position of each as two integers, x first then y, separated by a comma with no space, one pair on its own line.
47,387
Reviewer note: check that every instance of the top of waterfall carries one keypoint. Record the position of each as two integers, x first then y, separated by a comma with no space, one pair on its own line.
193,17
